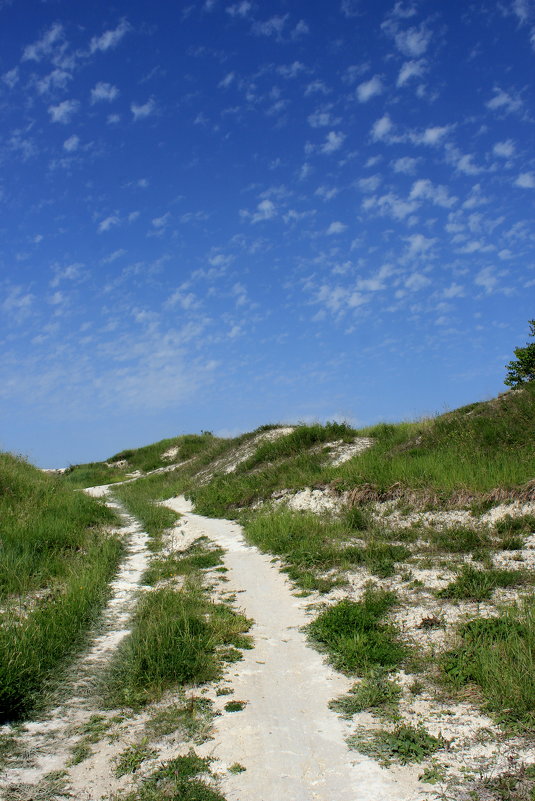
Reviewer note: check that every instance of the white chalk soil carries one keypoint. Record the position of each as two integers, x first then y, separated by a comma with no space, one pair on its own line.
290,743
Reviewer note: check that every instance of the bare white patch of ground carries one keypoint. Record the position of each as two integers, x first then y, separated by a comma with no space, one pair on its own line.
341,452
389,514
290,743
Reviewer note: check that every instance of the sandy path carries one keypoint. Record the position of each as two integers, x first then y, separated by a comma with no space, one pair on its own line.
291,744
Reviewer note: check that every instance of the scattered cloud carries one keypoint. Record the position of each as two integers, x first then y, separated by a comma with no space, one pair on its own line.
44,46
110,38
140,112
271,27
405,164
382,129
333,142
108,223
103,91
410,70
504,149
424,189
504,102
57,79
526,180
241,9
369,89
64,111
71,144
336,228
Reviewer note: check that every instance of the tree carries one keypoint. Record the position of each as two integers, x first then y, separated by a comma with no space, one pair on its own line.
522,369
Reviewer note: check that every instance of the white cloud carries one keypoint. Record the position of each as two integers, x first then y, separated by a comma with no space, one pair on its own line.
301,29
416,281
369,89
487,279
502,101
225,82
71,144
110,38
11,78
526,180
336,228
504,149
44,46
437,194
333,142
462,162
431,136
350,8
317,87
419,245
327,192
382,129
390,205
370,184
57,79
453,291
412,42
265,210
291,70
103,91
321,118
18,302
271,27
141,111
406,165
63,111
113,119
239,9
108,223
410,69
161,222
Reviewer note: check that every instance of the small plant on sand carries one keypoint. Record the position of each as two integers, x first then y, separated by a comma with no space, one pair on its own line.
404,744
132,758
480,584
375,693
235,706
177,779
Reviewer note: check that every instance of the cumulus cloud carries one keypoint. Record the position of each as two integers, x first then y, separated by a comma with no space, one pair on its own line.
405,164
526,180
336,228
239,9
265,210
369,89
418,246
431,136
409,70
103,91
109,39
57,79
64,111
44,46
139,112
333,142
390,205
108,223
11,77
438,194
271,27
321,118
488,279
504,149
504,102
161,222
462,162
71,144
382,129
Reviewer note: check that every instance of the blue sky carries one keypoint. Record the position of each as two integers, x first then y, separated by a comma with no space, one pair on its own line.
221,214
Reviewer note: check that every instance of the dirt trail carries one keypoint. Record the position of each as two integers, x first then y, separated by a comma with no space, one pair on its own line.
290,743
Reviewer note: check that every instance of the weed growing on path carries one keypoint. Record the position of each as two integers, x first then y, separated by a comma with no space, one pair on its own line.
174,641
404,744
192,719
133,757
375,693
177,779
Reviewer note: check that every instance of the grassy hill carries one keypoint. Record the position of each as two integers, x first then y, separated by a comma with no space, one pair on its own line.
56,558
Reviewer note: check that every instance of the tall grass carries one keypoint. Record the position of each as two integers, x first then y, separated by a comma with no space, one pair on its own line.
138,497
174,641
498,654
56,559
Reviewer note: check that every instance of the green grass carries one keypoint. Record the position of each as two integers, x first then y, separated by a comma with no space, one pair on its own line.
133,757
301,439
404,744
192,718
355,635
312,544
183,563
498,654
375,693
177,780
138,499
458,539
174,641
55,564
478,585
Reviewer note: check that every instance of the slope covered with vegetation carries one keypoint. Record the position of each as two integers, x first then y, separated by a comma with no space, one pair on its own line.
56,559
